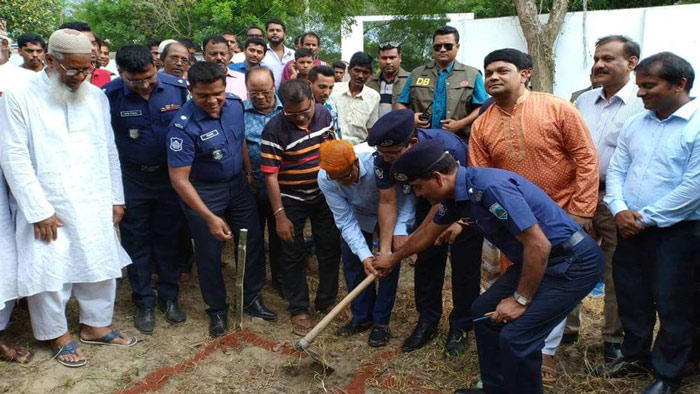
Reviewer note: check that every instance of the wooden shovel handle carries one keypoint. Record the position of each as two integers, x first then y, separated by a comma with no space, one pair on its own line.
306,341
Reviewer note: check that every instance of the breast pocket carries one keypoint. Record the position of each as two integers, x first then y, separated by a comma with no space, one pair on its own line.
212,147
613,133
674,152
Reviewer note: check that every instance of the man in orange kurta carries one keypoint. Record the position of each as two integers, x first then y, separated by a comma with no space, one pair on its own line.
538,136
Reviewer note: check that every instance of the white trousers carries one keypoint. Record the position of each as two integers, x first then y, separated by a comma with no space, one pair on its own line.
5,314
48,309
551,344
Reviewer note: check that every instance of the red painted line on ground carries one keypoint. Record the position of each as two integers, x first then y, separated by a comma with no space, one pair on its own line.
158,379
356,385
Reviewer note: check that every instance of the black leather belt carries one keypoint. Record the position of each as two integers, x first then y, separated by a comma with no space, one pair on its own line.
566,246
142,168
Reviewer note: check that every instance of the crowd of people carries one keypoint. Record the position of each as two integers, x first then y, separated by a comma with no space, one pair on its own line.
181,153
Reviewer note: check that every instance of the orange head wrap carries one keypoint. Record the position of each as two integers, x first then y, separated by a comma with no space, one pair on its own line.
336,156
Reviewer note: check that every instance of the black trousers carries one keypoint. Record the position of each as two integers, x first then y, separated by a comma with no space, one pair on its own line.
429,276
292,270
151,233
273,241
654,271
234,202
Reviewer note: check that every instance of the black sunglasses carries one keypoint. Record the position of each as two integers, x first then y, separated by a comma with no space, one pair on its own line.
389,45
448,46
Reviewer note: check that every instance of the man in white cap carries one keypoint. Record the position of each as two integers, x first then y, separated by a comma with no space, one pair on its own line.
59,158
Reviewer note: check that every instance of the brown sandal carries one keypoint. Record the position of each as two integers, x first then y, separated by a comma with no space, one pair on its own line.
549,367
302,324
16,354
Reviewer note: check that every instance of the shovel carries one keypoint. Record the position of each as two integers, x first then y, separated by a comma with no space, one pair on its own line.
304,343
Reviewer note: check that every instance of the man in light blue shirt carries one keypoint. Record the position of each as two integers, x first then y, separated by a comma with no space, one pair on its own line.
262,106
653,191
348,184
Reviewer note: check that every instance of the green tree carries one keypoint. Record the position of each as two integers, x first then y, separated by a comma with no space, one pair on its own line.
40,17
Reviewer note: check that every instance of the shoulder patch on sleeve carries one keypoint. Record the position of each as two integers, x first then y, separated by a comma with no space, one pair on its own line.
498,211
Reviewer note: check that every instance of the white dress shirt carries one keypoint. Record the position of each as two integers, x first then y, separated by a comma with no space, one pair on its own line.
605,118
275,64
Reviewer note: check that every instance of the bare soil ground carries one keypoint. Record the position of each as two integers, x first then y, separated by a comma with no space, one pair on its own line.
261,359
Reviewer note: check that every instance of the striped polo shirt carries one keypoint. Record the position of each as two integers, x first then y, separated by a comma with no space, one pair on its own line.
292,153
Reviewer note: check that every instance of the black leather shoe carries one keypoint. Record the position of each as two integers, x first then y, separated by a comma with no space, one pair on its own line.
173,313
420,336
379,336
456,343
569,338
352,328
470,391
258,309
145,320
612,351
622,368
658,386
218,324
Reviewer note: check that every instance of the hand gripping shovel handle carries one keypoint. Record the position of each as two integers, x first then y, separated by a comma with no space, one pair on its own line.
306,341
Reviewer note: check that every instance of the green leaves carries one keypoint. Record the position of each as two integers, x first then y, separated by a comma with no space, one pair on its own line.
40,17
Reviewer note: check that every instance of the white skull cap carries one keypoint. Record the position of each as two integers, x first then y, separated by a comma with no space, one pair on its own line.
69,41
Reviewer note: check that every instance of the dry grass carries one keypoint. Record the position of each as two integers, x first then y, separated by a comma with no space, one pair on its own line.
244,367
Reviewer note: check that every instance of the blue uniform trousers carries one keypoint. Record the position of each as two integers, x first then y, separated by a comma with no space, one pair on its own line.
654,272
151,233
373,304
233,201
292,268
510,355
429,276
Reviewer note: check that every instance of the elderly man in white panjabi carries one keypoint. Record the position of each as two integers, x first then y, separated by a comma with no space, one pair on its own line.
58,155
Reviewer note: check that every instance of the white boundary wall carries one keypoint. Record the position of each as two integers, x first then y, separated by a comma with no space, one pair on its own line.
656,29
352,40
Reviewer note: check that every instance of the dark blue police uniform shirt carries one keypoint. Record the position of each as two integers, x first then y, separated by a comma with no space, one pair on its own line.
503,204
140,126
456,146
212,147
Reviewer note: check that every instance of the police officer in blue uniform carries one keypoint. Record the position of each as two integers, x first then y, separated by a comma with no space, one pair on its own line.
142,105
211,172
393,134
556,263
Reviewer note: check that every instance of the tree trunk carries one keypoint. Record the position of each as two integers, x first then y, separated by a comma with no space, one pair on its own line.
540,39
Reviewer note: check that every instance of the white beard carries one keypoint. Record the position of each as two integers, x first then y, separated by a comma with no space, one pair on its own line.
62,94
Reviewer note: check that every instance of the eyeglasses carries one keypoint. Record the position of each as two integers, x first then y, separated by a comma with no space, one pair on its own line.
261,93
301,113
343,178
448,46
176,60
71,72
140,82
389,45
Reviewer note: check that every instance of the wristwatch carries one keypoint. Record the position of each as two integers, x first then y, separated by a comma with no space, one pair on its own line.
521,299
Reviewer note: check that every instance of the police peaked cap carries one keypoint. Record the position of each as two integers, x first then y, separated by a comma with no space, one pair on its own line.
418,160
392,129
